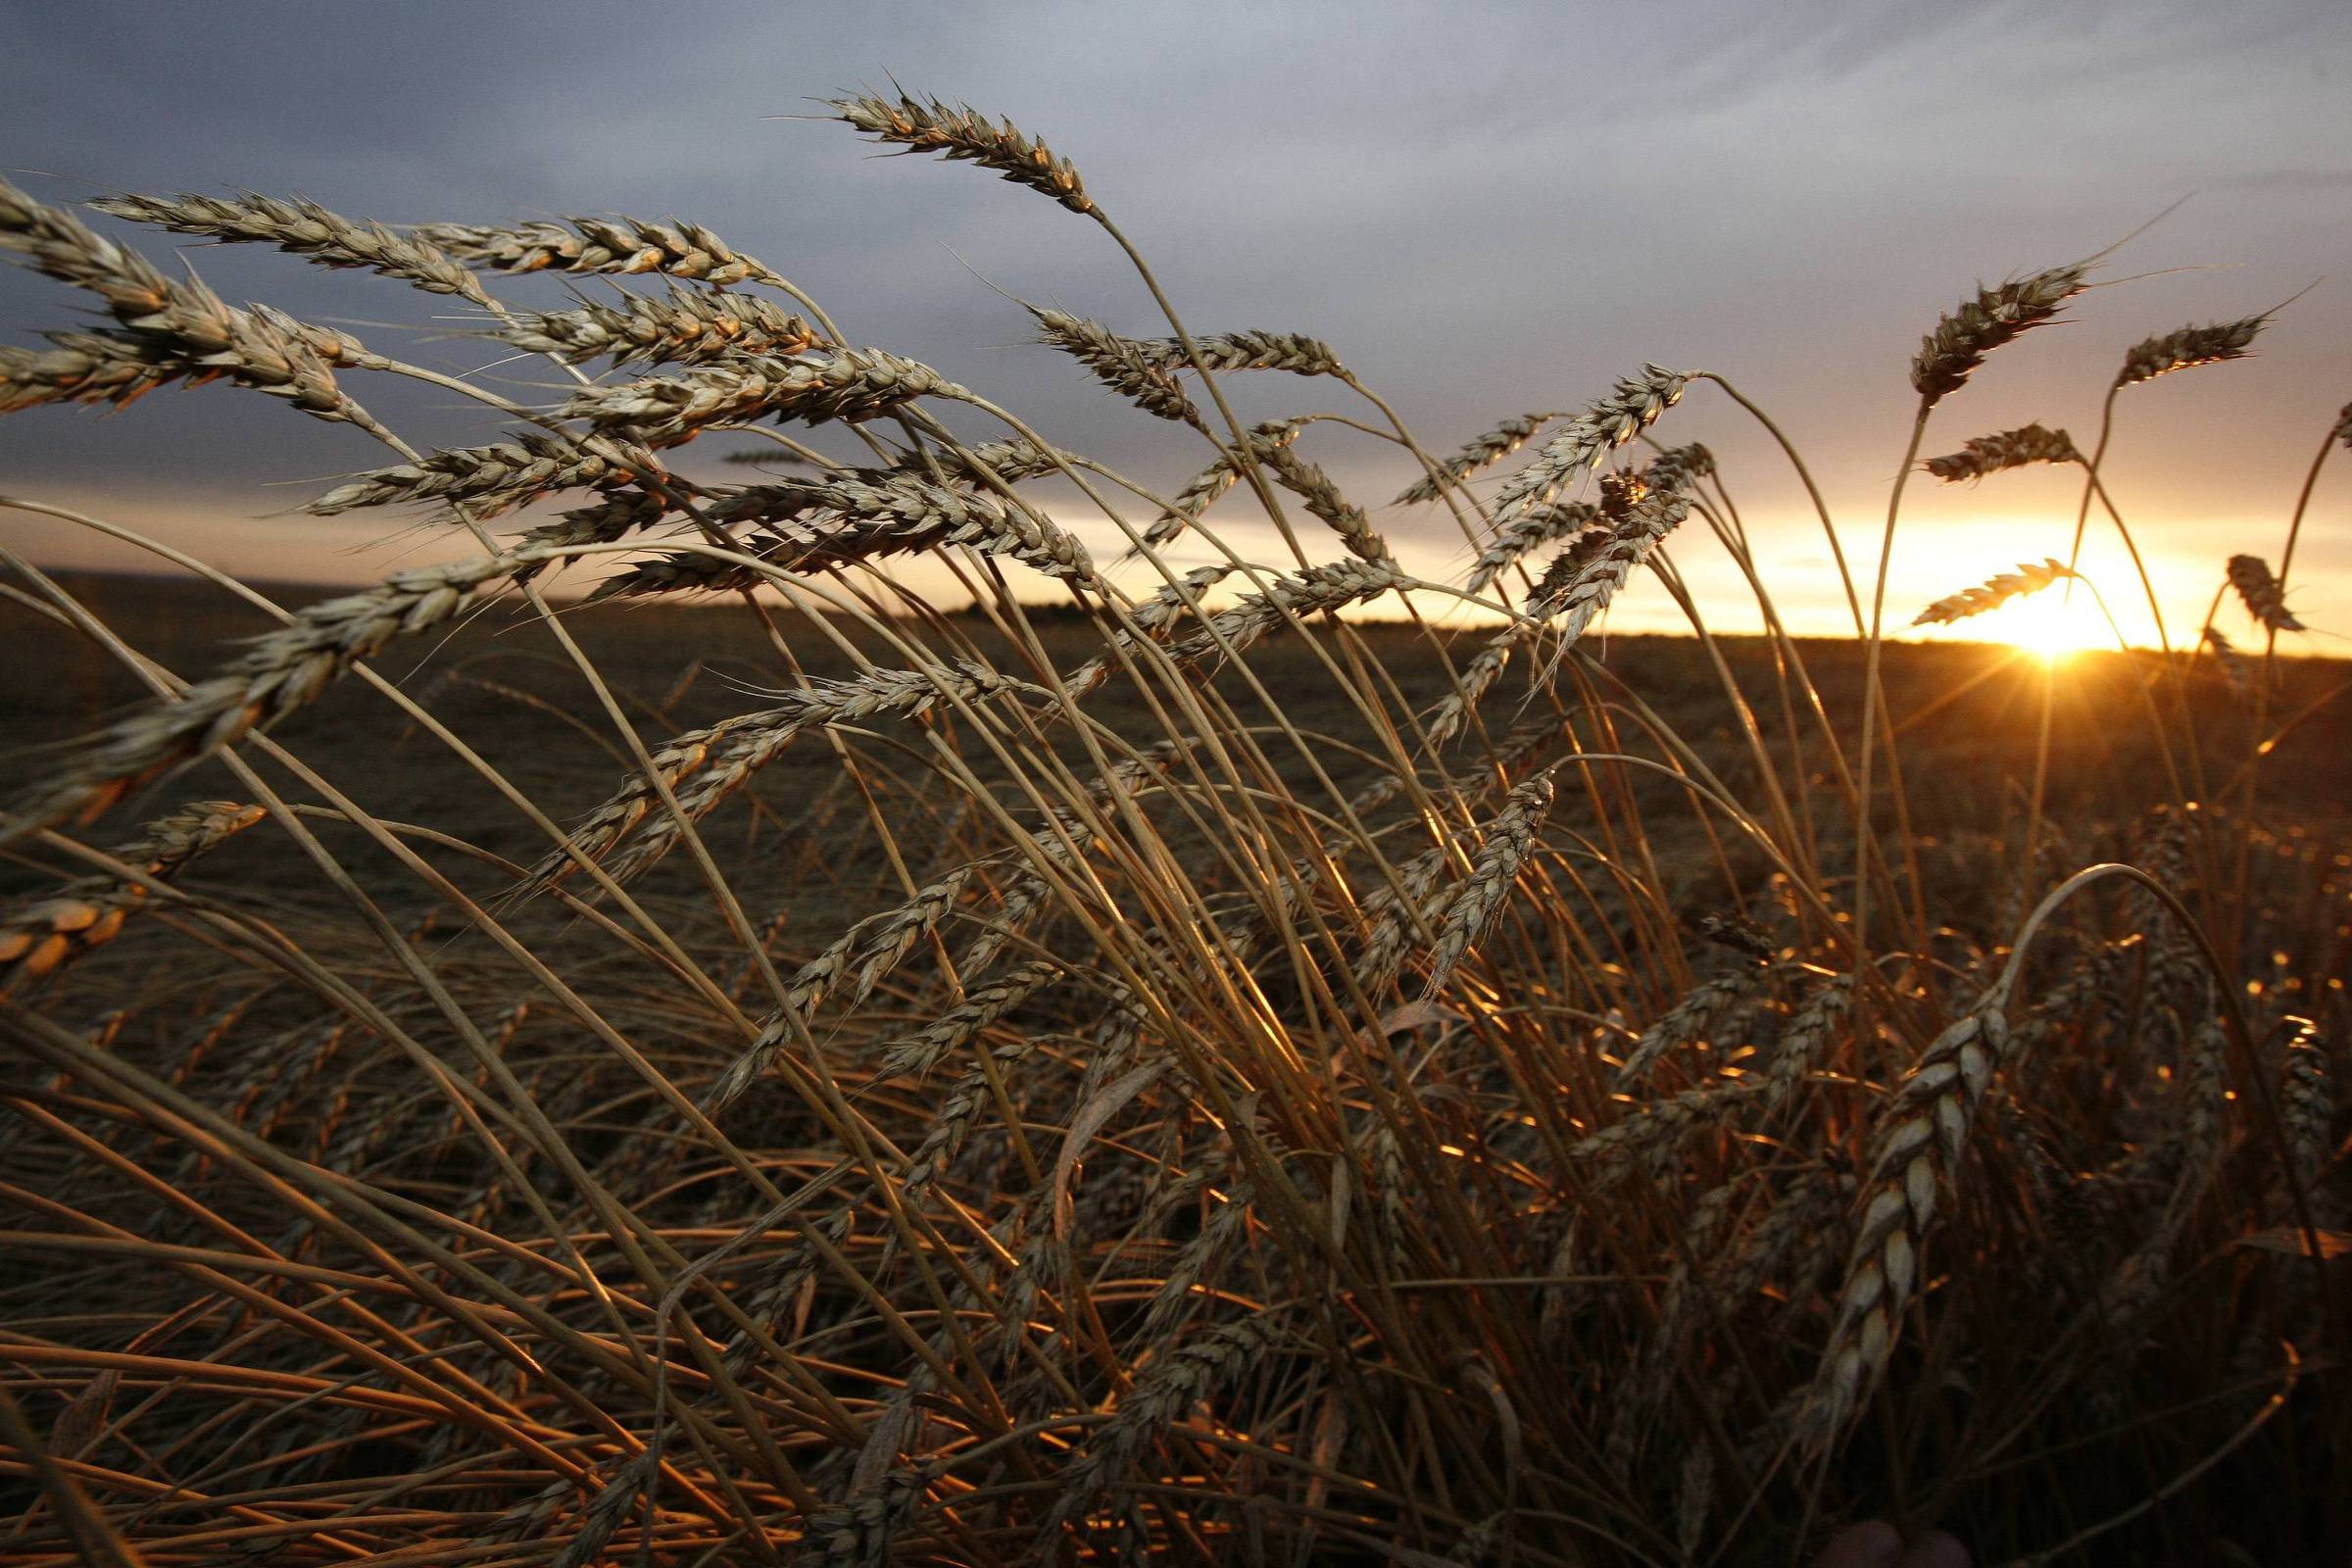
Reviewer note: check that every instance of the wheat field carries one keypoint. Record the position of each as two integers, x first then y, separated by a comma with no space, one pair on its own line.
659,1041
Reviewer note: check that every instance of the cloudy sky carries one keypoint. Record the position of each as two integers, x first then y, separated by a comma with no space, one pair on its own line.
1485,207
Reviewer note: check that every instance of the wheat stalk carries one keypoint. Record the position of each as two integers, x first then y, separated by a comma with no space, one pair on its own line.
585,245
490,479
1480,451
1961,340
1993,593
1919,1145
1510,837
2009,449
690,326
1631,408
40,935
1123,364
2263,597
279,673
179,326
963,133
307,229
2187,348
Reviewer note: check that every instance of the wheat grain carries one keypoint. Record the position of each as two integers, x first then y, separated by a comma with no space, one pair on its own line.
2187,348
179,324
2262,593
1247,350
1204,489
1589,578
38,937
1960,341
1510,837
704,767
2009,449
617,245
846,385
1324,501
1123,364
982,1007
307,229
1920,1141
490,479
1993,593
1480,452
962,133
690,326
1688,1020
1631,408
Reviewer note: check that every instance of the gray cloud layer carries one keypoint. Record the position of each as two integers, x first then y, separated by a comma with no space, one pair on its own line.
1486,206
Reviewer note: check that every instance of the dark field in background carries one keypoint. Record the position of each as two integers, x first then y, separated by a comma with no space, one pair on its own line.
1967,715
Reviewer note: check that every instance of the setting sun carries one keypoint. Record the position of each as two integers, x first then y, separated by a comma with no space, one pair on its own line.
2049,624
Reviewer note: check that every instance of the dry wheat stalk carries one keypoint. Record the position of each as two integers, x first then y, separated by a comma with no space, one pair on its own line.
1807,1036
1480,452
179,324
1688,1020
1167,1390
704,767
1123,364
1993,593
1323,499
1202,490
1536,525
984,1005
1950,354
1590,578
615,516
1018,458
2009,449
622,245
1390,909
847,384
962,133
1631,408
685,326
115,368
40,935
2187,348
1920,1142
2262,593
305,228
2230,661
279,673
1144,617
490,479
1315,588
2342,430
1510,838
1247,350
2307,1107
1652,1132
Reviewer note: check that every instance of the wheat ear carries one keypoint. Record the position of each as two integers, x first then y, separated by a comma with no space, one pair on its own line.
1993,593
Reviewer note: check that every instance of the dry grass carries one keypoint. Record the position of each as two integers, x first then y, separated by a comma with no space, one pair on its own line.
1138,1067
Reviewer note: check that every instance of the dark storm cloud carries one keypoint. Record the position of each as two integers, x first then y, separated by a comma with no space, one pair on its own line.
1486,206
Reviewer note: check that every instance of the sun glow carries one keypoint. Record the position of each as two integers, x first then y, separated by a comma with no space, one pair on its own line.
2049,624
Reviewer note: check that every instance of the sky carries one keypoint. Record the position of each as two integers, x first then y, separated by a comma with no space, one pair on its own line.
1484,208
